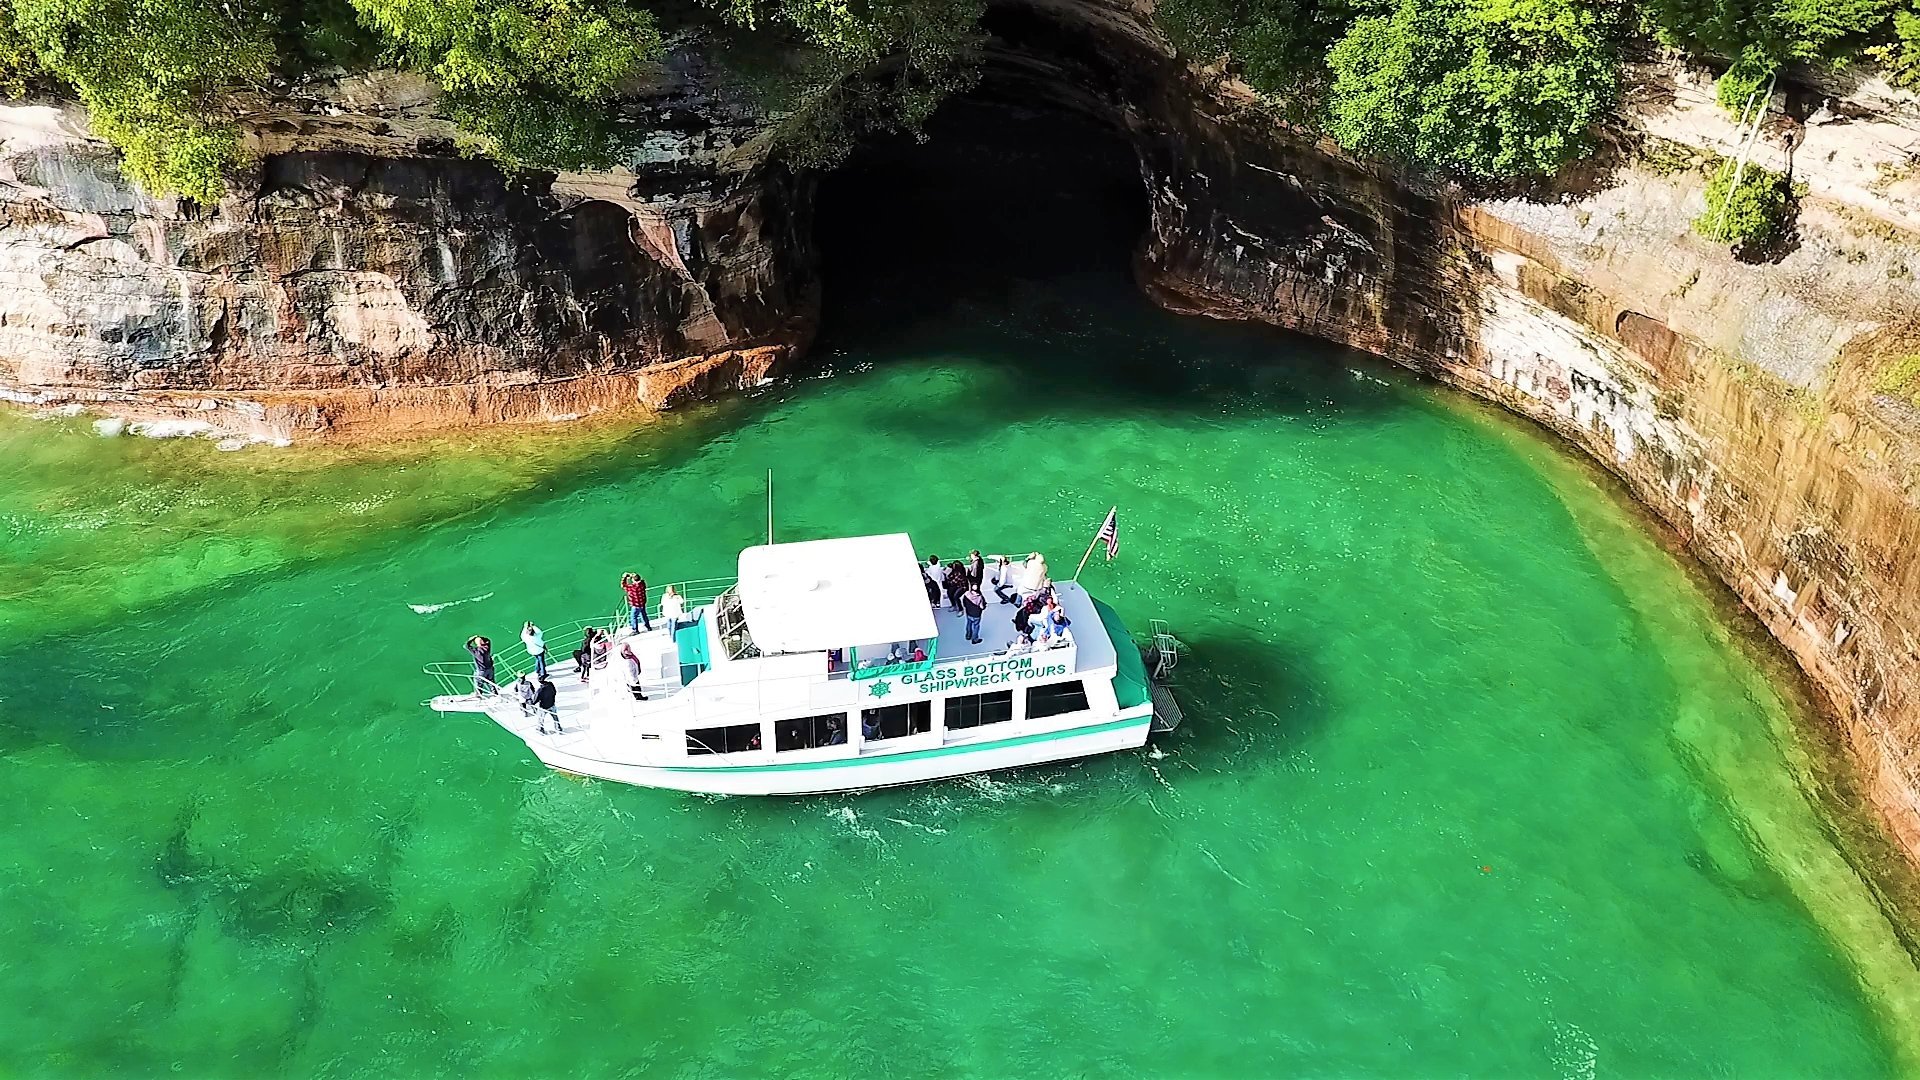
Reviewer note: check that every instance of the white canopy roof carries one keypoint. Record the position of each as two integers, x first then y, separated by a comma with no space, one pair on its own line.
829,594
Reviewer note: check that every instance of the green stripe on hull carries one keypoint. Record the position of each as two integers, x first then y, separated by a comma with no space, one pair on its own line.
938,751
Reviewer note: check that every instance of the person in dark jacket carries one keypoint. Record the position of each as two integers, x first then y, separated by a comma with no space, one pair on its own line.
544,696
1023,617
974,605
956,585
482,651
932,587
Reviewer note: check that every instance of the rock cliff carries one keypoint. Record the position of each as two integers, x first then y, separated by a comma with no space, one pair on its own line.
1737,401
368,279
365,278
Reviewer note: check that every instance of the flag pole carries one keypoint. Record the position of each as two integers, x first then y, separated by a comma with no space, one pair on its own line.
1095,540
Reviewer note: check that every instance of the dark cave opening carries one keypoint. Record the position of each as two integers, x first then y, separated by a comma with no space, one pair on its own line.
1003,187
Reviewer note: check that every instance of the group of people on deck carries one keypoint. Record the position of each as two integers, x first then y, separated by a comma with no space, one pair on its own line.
1039,621
535,690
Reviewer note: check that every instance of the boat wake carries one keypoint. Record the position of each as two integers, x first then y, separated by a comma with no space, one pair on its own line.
428,609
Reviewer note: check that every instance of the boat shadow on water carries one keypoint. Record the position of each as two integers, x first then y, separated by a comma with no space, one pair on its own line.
1249,705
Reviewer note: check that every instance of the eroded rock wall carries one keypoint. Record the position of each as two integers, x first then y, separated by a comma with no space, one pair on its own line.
365,279
1735,400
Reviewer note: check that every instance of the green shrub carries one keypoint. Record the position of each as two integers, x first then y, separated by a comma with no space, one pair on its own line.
1739,86
1901,55
1901,379
1759,210
1475,88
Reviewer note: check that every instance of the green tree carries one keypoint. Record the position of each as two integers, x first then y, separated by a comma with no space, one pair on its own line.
531,81
20,70
857,66
1474,88
1277,46
863,66
150,73
1761,36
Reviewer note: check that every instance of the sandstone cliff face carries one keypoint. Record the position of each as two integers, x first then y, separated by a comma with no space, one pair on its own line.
365,278
1735,400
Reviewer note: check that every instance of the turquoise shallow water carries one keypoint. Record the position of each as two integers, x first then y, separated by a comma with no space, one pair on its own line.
1474,782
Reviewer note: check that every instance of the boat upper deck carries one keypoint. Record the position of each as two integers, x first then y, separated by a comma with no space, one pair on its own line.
1092,648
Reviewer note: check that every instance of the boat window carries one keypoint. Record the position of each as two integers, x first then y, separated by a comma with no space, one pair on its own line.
1056,699
723,740
807,732
976,710
894,721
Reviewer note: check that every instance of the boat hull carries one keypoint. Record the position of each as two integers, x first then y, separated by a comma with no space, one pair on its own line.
867,770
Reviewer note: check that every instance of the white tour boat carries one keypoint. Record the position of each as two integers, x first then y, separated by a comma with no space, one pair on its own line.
799,678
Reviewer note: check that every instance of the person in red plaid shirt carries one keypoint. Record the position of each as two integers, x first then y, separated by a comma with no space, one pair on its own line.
635,587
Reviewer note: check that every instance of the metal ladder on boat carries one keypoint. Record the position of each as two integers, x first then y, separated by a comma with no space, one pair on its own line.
1162,655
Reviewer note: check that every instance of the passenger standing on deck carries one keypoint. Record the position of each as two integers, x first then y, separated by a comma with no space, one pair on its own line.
673,608
482,652
635,587
932,587
536,643
976,567
632,660
974,605
938,574
544,696
527,694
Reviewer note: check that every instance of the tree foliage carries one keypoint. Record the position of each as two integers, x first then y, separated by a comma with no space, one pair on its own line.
1278,45
529,80
860,67
576,48
1781,30
1474,88
148,71
1901,54
1749,214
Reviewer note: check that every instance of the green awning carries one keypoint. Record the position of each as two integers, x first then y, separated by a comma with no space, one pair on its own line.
1130,672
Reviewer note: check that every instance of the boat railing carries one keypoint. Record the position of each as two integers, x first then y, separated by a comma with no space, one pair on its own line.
510,659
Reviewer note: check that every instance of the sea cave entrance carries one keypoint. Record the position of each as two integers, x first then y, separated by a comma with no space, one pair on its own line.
1005,186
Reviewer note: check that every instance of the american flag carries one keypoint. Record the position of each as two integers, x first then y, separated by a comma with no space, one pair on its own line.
1110,533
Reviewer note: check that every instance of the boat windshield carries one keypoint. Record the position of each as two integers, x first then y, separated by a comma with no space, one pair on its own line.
731,621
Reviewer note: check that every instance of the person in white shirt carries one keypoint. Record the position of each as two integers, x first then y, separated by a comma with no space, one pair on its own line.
938,575
673,608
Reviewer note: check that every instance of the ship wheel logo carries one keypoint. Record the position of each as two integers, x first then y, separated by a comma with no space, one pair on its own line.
880,688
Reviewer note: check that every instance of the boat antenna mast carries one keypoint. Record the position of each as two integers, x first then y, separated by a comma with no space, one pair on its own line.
769,506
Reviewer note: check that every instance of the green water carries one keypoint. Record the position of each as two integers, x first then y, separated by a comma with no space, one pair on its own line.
1475,781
